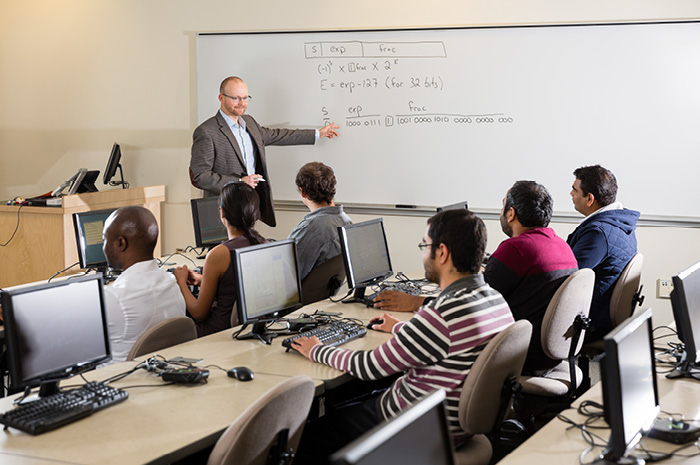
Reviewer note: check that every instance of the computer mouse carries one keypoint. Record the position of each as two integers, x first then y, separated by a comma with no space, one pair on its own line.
372,323
241,373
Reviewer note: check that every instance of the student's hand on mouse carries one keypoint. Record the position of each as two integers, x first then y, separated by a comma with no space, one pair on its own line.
388,325
397,301
328,131
303,345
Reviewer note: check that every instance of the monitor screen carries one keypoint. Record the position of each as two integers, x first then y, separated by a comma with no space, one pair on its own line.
88,235
685,300
113,164
55,330
630,394
268,284
365,252
419,436
208,229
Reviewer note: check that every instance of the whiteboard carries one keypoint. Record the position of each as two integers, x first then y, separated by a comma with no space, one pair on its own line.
437,116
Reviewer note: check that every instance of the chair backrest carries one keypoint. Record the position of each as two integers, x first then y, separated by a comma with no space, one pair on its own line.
251,436
622,301
572,298
323,281
164,334
502,358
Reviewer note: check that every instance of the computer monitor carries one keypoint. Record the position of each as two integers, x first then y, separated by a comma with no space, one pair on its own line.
88,235
418,435
54,331
630,393
113,164
685,301
454,206
208,229
268,285
366,255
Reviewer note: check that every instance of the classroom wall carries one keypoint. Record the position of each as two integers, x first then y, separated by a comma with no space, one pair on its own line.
78,75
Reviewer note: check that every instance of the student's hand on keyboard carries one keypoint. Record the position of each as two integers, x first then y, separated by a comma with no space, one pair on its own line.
194,278
185,275
303,345
388,325
397,301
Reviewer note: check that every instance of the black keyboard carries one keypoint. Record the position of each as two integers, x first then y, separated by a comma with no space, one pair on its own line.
333,334
54,411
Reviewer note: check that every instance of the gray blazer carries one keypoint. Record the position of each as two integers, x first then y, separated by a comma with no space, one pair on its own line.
217,158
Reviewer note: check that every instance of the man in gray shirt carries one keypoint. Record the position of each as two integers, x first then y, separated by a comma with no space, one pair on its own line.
317,234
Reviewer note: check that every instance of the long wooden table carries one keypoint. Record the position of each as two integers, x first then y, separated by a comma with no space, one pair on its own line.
557,444
159,424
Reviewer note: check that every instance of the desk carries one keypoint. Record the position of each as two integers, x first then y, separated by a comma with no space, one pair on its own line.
163,423
555,445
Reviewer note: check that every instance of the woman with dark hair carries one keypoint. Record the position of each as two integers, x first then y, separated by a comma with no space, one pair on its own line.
239,207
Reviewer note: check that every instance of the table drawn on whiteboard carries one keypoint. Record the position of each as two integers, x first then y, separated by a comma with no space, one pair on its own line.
419,114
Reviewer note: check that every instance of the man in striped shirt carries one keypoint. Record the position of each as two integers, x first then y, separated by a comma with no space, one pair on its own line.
435,349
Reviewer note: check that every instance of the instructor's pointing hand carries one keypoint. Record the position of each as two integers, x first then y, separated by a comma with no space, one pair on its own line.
328,131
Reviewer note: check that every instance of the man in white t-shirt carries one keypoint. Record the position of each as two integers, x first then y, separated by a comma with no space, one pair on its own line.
143,294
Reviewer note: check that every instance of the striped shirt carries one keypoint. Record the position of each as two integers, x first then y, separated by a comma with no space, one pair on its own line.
436,348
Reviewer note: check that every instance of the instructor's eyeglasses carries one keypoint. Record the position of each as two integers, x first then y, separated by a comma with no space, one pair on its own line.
423,245
238,99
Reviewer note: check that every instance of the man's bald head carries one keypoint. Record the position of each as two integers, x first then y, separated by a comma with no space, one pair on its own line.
130,236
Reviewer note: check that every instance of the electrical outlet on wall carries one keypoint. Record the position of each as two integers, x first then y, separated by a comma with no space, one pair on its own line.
664,287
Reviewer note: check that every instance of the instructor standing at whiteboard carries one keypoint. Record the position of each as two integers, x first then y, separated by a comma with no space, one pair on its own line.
230,146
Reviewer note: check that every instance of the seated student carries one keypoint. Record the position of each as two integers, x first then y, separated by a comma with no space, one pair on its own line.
605,240
317,234
239,210
436,347
527,268
143,294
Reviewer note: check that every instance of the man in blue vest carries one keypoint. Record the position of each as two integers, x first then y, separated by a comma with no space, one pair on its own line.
605,241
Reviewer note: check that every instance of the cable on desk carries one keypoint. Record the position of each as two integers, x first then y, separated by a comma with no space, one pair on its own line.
63,271
656,456
342,298
191,248
595,441
163,262
16,228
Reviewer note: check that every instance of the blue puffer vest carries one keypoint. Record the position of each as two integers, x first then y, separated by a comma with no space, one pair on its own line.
605,242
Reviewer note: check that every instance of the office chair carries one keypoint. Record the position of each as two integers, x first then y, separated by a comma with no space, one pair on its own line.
164,334
563,328
482,405
626,295
269,431
323,281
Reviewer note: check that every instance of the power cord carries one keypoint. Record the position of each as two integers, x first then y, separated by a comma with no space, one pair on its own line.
16,227
64,270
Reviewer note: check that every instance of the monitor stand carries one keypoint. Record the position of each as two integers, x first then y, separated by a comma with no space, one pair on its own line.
108,274
685,369
359,297
259,331
627,460
45,390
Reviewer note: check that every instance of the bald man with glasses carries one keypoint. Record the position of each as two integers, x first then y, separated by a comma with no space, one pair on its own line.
230,146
